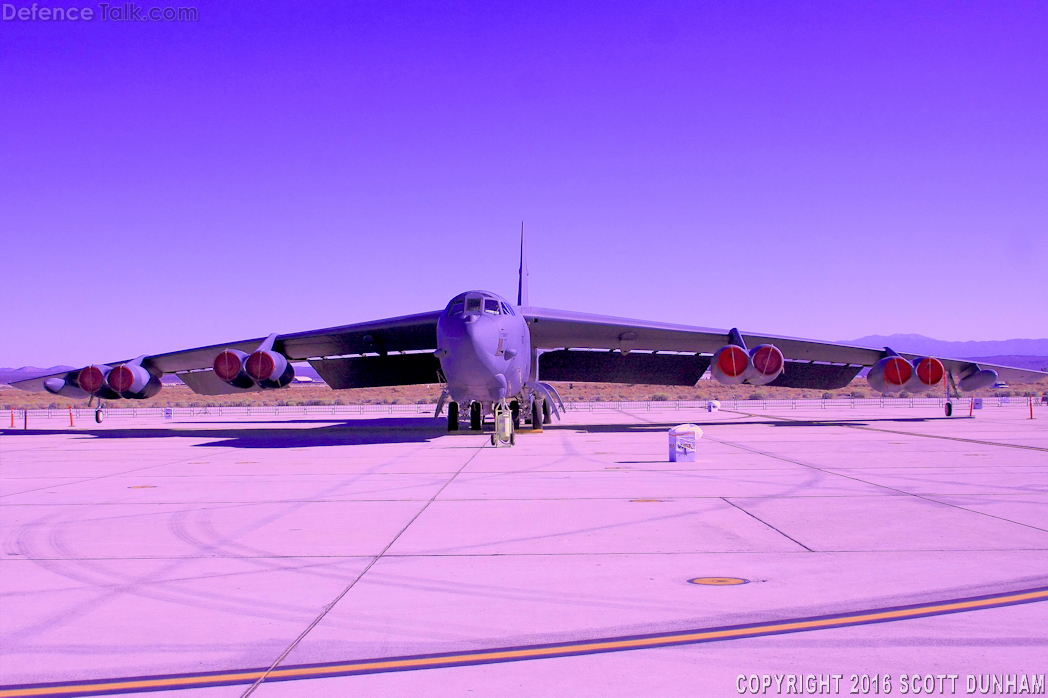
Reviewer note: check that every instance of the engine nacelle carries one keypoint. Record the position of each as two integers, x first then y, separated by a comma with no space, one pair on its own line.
766,364
733,365
269,369
229,366
890,374
927,373
92,380
977,380
133,382
730,364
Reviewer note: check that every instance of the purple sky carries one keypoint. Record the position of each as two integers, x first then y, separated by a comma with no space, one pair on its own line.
824,170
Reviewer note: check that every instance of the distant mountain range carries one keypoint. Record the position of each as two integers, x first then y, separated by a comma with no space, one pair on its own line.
10,375
919,344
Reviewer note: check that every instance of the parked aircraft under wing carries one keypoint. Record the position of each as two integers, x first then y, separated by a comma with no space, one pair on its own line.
491,354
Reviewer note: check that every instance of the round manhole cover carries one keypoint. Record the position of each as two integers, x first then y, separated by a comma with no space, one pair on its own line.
718,581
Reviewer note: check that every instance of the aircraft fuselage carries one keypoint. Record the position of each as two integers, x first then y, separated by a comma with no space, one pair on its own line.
484,347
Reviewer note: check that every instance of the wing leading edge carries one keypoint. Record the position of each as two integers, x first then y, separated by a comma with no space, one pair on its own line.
409,333
812,363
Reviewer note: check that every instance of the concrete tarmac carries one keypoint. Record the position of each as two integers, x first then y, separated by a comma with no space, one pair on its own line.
202,555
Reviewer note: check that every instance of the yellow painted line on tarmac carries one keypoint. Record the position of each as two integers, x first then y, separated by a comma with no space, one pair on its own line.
510,654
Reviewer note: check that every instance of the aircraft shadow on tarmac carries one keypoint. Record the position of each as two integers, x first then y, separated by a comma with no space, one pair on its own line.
386,430
345,433
662,426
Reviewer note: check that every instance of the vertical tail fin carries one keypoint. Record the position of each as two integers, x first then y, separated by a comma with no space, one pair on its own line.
522,285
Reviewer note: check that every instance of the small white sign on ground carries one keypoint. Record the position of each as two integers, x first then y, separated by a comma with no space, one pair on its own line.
683,439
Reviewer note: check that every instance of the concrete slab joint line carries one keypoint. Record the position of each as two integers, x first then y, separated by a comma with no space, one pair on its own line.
520,653
906,433
872,484
262,677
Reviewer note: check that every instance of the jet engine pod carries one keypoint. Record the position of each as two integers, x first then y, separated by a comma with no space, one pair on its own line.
979,379
890,374
766,362
927,373
229,366
269,369
92,380
730,364
133,381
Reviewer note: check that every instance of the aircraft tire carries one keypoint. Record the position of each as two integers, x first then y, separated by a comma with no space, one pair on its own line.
546,418
98,416
493,437
512,439
536,415
474,416
949,409
514,408
453,416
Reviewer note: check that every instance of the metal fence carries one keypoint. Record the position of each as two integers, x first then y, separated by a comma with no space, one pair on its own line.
18,416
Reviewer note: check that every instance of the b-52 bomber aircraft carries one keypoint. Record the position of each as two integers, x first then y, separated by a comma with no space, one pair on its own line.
490,355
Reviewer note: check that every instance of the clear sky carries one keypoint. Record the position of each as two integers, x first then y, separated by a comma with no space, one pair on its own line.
815,169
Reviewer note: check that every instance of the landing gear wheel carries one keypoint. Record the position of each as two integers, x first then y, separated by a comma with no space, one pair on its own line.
474,416
513,439
98,416
493,440
546,419
536,415
514,408
453,416
949,409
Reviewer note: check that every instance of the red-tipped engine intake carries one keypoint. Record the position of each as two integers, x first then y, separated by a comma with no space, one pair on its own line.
133,381
890,374
269,369
733,365
229,367
92,380
894,373
729,365
766,363
927,373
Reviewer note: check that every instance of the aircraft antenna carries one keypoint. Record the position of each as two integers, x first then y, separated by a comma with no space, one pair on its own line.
522,285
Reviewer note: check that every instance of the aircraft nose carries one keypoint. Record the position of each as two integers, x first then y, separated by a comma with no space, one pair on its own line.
483,333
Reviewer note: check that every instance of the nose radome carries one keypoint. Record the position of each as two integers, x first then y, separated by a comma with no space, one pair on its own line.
484,334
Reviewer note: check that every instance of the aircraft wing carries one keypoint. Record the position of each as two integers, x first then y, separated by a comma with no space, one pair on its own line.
409,333
811,363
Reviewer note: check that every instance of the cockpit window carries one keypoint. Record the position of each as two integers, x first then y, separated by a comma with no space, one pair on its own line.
473,305
491,306
456,308
507,310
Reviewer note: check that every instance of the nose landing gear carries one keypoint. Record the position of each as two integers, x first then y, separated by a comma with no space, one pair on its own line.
504,434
